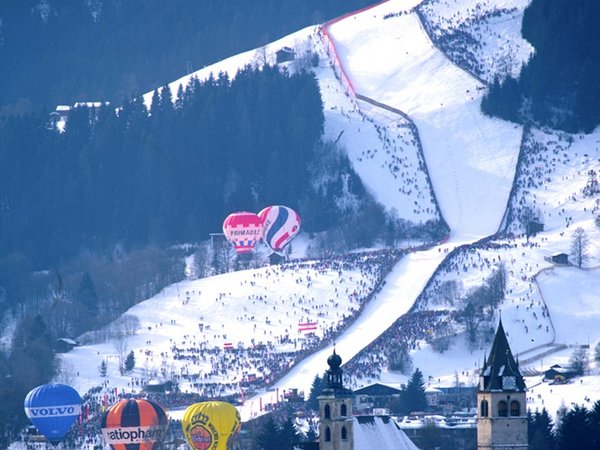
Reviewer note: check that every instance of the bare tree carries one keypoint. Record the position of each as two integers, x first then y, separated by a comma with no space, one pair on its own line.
399,358
597,353
66,373
448,292
579,361
201,262
223,257
442,337
122,349
261,56
303,54
531,220
579,245
129,324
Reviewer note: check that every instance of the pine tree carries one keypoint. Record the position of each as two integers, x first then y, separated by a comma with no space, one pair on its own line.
268,437
289,434
86,294
540,432
317,387
594,418
130,361
575,430
102,368
413,398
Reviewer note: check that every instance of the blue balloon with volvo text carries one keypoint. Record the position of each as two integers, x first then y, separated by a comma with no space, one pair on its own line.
53,408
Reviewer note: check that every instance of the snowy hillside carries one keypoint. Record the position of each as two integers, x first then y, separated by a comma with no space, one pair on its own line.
471,159
220,329
415,109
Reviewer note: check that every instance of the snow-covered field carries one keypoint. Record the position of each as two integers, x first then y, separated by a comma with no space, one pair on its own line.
472,162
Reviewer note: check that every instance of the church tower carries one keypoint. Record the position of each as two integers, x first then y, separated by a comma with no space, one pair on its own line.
335,410
501,399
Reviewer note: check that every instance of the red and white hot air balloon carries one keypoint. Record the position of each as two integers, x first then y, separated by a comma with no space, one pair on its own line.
243,229
280,225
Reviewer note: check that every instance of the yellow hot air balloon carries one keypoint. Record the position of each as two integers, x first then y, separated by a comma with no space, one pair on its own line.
211,425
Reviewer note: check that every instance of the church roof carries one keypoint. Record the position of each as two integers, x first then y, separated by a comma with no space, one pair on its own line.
379,433
499,365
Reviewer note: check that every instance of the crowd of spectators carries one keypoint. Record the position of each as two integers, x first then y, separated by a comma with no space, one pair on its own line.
238,371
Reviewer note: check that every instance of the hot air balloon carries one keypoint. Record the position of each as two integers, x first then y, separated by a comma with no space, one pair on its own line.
243,230
211,425
280,225
134,424
53,408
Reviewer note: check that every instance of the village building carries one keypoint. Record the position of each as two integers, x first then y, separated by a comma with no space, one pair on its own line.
285,54
559,374
64,345
375,396
560,258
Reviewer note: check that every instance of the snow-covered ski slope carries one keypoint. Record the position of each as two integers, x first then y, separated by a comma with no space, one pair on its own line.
403,286
471,158
388,58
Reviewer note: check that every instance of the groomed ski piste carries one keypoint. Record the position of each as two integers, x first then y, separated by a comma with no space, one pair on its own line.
389,59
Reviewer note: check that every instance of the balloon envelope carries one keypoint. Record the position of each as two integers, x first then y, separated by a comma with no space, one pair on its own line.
53,408
280,225
134,424
210,425
243,229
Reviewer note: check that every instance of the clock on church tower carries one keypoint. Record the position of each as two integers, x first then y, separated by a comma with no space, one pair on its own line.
509,383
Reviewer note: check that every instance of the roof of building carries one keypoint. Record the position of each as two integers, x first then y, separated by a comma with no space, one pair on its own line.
377,389
285,49
499,365
433,390
562,370
379,433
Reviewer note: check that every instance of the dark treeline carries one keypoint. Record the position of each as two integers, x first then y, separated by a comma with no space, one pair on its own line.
560,85
59,52
576,428
97,202
172,176
29,364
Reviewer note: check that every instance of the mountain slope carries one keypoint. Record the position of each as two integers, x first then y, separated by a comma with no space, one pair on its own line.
470,157
472,162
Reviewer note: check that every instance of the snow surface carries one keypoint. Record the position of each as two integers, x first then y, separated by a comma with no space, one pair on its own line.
381,436
471,161
471,158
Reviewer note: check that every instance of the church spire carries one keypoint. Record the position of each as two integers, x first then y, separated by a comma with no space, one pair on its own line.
500,371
